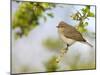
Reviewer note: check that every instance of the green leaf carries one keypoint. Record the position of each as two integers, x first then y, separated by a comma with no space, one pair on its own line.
45,5
86,9
86,23
52,43
50,14
51,65
88,6
38,11
82,29
90,14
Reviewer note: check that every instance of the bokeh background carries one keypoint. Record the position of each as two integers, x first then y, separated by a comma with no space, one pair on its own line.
35,40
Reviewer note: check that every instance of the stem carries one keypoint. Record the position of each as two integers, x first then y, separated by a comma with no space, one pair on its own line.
63,52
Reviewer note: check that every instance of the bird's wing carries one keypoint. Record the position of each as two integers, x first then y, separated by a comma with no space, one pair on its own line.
72,33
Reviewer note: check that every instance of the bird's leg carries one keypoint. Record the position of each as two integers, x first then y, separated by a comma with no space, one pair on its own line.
66,49
63,51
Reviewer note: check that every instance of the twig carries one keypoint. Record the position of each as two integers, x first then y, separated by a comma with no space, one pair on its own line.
63,52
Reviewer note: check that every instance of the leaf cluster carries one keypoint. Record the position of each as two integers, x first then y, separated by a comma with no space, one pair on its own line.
27,15
81,16
52,43
51,65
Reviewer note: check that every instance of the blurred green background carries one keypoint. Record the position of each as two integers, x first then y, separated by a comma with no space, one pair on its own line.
36,43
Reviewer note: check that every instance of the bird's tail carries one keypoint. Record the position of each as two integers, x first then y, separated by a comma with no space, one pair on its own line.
89,44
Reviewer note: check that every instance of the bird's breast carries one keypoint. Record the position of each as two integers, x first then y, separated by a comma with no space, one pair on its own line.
67,40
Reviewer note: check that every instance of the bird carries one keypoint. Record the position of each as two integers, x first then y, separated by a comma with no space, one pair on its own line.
69,34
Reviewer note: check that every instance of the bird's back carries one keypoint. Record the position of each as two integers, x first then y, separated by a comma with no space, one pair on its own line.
71,32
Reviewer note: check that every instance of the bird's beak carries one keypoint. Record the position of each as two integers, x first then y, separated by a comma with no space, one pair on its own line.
57,26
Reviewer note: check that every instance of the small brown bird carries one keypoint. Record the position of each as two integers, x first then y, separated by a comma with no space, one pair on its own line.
69,34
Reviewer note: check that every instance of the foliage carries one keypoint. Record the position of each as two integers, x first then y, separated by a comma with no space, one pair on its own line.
24,68
51,65
52,43
82,66
81,16
87,66
27,16
74,65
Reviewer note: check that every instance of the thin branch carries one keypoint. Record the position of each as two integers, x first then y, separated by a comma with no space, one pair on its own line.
63,52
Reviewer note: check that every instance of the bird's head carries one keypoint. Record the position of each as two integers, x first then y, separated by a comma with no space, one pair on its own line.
61,26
